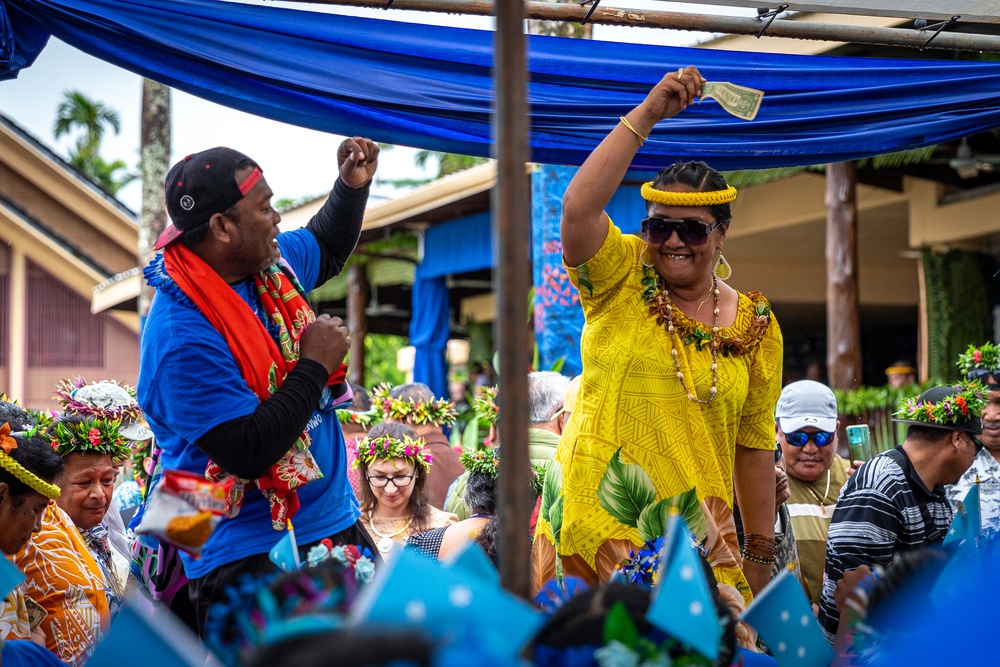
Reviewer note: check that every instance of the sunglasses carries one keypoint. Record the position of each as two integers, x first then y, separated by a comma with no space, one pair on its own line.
689,231
984,374
800,438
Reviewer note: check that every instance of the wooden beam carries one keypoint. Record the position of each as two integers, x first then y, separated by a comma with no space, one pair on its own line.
357,321
843,331
699,22
511,232
17,341
972,11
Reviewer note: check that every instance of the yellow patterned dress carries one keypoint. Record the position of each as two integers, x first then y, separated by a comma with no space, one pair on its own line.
65,579
635,443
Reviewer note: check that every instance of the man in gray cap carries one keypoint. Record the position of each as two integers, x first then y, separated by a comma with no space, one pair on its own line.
896,502
806,424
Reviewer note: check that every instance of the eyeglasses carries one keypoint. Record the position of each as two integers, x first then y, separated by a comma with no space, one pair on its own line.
399,481
800,438
689,231
984,374
777,452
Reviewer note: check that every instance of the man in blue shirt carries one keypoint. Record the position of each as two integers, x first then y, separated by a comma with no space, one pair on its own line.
211,284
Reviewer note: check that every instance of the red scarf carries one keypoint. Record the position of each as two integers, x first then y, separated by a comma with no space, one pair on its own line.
262,362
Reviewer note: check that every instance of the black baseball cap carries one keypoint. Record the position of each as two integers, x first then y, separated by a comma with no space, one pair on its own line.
202,185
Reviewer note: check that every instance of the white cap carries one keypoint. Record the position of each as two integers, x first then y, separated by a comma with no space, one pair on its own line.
806,403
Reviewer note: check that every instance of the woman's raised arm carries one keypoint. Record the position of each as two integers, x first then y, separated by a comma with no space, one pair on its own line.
584,224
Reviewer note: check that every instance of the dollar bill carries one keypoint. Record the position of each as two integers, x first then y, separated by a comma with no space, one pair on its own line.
740,101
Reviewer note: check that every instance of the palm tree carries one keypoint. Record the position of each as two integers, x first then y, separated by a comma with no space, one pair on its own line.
448,163
79,113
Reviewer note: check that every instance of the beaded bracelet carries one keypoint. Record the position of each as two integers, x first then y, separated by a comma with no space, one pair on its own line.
753,558
762,544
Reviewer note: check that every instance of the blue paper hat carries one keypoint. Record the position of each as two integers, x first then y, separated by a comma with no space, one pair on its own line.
472,560
10,577
285,554
164,642
446,602
783,617
682,605
967,524
951,630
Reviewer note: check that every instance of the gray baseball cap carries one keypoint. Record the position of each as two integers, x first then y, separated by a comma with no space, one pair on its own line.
806,403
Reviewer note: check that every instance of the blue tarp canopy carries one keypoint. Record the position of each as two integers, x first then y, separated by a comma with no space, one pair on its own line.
431,86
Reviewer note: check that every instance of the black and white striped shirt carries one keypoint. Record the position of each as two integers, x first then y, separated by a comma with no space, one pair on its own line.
884,509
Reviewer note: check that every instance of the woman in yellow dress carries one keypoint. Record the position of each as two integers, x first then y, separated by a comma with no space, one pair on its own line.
680,372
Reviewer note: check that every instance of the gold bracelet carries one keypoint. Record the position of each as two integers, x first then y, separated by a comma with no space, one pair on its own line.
631,129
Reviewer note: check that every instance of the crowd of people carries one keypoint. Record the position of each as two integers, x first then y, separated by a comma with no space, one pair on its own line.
679,485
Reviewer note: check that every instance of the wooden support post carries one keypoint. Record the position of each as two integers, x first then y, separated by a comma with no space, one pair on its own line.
17,332
357,321
923,340
843,332
511,232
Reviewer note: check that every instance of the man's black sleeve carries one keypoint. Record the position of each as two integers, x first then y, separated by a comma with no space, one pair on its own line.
337,227
248,446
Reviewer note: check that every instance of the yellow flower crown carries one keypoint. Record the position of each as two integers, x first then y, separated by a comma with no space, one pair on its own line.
11,465
712,198
439,412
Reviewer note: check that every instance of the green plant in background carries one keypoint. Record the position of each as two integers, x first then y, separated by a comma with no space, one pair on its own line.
380,359
875,406
959,288
89,119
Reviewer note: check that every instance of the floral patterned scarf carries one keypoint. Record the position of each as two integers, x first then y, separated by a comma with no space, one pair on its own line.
263,361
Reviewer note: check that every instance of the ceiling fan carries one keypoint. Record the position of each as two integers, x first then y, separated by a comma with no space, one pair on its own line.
968,165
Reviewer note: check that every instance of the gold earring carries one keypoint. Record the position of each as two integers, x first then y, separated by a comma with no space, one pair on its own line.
645,258
723,270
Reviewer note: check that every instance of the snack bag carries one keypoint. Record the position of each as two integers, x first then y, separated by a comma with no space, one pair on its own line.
184,509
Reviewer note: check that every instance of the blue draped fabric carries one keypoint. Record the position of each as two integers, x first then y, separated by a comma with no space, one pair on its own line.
429,332
431,86
458,246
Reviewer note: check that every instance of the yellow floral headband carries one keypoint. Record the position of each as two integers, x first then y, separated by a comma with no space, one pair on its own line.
712,198
11,465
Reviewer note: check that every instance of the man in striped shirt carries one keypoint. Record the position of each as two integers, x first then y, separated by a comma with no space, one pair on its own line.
806,425
896,502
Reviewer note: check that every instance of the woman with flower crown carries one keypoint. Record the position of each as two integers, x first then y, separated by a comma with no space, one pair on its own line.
72,569
393,463
680,371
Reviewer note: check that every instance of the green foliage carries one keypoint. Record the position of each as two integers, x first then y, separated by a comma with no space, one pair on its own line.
875,406
448,163
654,519
380,359
625,490
288,203
750,177
90,119
863,400
959,306
618,626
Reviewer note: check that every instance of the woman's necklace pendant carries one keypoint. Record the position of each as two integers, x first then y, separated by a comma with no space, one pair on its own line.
385,545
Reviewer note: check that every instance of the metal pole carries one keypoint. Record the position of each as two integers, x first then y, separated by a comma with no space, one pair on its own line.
511,231
732,25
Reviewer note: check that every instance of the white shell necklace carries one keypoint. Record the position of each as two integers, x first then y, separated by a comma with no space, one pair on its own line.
386,543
